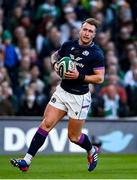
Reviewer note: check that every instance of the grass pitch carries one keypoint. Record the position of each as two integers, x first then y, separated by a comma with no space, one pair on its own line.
72,167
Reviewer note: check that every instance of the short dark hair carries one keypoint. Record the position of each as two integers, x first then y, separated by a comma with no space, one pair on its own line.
92,21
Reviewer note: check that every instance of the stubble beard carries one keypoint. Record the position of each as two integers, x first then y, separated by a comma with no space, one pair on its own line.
85,43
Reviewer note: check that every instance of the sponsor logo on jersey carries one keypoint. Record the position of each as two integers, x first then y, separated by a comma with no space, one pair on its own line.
75,59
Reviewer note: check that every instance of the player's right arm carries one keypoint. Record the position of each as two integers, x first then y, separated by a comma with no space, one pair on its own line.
54,60
56,56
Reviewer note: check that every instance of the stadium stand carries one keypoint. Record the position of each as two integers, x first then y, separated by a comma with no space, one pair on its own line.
31,30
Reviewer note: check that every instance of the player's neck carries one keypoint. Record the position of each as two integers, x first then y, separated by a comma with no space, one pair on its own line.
84,44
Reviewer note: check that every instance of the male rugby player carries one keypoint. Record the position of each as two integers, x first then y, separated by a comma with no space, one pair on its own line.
72,96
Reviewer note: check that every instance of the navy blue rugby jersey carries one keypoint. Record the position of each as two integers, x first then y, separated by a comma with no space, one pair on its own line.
87,59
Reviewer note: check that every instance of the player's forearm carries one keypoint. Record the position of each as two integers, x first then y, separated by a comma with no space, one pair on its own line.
95,79
54,58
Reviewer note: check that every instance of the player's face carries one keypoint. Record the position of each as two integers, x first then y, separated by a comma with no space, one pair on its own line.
87,33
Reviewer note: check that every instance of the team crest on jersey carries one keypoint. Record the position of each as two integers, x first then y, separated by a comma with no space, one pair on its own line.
85,53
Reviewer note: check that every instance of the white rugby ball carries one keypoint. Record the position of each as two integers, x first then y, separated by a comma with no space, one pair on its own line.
65,65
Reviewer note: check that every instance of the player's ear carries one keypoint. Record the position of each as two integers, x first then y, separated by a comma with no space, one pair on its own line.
94,34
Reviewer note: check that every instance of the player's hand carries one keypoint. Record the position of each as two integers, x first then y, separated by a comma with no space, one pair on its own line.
72,74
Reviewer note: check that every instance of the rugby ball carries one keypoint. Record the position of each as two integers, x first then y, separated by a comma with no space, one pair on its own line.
65,64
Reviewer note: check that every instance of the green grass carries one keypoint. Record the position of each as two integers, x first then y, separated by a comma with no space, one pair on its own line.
72,167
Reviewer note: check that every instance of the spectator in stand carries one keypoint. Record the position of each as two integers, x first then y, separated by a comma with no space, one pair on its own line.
10,96
112,66
31,30
114,80
51,42
70,22
130,55
110,46
124,14
33,56
1,16
101,18
103,39
34,77
1,31
14,21
42,32
26,22
29,105
74,34
8,101
124,37
132,94
79,9
10,57
19,34
22,44
6,106
48,8
24,71
133,5
2,55
4,76
46,71
26,52
113,106
95,7
96,108
129,74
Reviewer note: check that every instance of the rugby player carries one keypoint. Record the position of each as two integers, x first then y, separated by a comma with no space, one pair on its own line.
72,96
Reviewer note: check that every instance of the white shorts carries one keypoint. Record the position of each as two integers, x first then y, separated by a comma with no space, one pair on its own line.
76,106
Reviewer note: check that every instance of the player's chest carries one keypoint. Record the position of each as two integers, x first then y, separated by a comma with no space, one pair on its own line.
82,59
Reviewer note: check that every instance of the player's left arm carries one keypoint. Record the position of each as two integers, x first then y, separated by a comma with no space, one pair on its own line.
97,77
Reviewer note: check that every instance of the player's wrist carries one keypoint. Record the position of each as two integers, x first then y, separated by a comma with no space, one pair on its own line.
81,77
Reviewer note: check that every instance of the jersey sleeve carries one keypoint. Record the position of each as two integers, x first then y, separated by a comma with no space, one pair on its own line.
62,50
99,61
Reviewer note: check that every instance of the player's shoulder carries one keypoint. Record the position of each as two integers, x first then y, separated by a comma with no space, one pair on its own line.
97,50
96,47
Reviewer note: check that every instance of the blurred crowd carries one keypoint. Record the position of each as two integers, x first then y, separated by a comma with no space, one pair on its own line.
31,30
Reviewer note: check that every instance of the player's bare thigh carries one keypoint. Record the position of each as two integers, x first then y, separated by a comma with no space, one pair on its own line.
51,117
74,129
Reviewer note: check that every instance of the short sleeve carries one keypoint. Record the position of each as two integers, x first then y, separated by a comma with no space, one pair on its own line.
99,61
62,50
